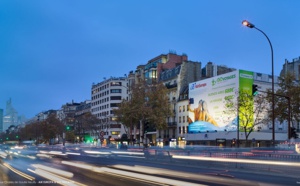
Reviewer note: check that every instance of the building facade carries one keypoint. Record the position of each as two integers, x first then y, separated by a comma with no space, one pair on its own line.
291,67
211,70
174,71
106,96
176,80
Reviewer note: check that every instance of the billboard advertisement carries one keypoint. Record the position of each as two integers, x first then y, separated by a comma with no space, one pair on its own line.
207,101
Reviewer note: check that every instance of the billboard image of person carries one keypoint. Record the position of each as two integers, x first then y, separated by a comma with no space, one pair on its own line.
201,113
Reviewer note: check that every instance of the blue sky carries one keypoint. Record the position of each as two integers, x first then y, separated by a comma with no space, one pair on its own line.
51,51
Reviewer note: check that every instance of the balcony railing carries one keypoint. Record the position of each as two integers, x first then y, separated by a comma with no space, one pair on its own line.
172,124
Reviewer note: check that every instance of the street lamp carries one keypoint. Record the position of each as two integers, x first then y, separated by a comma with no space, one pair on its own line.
250,25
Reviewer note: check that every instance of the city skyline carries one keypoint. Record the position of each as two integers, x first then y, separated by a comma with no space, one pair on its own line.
52,52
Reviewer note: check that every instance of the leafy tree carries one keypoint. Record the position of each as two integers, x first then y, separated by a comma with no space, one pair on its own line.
288,87
131,112
251,109
160,106
148,103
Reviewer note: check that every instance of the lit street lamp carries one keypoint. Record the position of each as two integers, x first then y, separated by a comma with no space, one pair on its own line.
250,25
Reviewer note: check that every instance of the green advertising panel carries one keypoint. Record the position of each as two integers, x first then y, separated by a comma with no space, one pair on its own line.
246,116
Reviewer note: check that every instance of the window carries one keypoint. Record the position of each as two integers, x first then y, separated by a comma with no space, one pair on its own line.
115,91
179,108
115,97
183,119
183,129
183,108
270,78
179,130
115,132
116,84
114,105
179,119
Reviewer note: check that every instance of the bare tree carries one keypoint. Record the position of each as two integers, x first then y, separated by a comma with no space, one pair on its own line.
86,123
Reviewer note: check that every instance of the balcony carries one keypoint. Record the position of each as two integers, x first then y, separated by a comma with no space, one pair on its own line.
172,124
115,126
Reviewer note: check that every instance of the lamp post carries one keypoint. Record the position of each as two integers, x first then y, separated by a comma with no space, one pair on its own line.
250,25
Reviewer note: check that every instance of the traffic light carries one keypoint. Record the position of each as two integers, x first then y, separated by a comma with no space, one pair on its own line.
146,128
294,133
254,90
67,127
233,142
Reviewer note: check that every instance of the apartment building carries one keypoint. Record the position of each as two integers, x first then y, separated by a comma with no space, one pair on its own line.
291,67
106,96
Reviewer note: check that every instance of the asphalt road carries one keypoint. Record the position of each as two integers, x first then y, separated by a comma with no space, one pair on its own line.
125,170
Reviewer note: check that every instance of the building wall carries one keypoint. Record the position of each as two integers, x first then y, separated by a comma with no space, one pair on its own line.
189,71
211,70
172,61
105,97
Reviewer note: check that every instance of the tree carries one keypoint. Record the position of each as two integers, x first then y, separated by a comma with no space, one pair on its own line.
160,106
29,131
288,87
149,103
251,110
86,122
131,112
51,128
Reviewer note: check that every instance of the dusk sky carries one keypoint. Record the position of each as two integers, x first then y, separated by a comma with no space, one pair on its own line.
51,51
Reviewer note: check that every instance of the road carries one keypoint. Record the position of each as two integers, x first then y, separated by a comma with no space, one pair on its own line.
118,168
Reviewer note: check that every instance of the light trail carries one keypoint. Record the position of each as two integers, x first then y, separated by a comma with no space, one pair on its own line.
97,152
131,175
54,178
265,162
19,172
53,170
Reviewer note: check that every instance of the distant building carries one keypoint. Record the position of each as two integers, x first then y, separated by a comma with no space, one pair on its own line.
211,70
291,67
83,107
10,117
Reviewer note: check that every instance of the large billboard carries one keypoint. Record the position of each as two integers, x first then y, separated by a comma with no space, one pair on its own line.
207,101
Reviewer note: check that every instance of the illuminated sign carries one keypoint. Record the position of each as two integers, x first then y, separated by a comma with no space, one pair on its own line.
207,101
